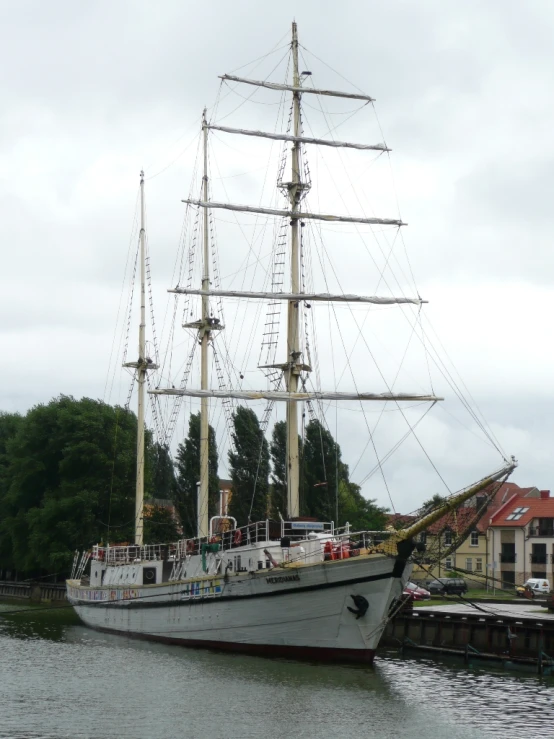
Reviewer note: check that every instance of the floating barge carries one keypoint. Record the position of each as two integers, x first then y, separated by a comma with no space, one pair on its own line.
519,637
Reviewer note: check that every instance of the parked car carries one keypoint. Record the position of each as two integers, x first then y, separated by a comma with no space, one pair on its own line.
536,586
447,586
414,592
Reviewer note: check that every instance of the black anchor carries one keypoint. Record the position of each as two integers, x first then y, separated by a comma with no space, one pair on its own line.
361,606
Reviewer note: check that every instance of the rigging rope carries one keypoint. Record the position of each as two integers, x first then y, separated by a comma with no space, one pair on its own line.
107,395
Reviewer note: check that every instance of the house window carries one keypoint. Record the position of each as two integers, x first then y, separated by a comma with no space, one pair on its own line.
545,527
423,537
448,563
538,554
448,537
478,565
474,542
469,564
516,514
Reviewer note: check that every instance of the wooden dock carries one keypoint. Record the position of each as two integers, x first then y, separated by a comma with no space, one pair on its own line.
518,636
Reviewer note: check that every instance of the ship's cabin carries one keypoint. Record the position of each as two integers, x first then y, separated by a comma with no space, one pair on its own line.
227,551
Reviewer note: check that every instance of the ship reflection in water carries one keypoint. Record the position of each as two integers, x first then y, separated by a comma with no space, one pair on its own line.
59,679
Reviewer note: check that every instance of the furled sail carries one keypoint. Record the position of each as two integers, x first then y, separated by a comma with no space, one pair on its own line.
300,139
292,397
301,215
295,88
314,297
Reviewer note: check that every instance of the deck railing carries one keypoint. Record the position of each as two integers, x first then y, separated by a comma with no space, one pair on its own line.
129,553
251,535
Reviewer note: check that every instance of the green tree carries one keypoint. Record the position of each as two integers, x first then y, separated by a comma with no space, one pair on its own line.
160,525
434,502
9,425
278,451
278,503
249,465
362,514
188,475
322,469
70,474
161,477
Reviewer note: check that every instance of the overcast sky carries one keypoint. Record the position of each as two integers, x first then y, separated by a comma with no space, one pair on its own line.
93,92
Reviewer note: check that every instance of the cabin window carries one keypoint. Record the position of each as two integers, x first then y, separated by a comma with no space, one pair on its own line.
474,541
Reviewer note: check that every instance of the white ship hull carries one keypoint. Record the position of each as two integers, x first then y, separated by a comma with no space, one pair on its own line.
299,612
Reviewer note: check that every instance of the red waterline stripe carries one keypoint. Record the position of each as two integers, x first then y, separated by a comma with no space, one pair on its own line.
318,654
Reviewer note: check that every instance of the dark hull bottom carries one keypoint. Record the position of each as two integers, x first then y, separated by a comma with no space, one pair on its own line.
315,654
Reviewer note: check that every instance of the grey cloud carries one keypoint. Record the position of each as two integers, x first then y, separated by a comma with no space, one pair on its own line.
92,93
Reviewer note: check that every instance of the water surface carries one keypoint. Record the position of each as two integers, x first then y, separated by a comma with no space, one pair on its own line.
59,679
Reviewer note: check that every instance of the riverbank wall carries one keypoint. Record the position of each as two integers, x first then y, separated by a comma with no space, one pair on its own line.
35,592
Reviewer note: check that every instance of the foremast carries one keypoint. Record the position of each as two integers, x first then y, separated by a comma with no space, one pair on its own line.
142,365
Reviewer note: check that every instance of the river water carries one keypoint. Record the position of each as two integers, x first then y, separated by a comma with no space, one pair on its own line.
60,679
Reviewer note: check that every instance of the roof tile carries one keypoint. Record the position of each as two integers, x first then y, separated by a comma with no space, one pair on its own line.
536,508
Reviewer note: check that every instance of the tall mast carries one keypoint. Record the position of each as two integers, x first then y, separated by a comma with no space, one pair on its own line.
142,365
293,371
141,379
294,365
205,335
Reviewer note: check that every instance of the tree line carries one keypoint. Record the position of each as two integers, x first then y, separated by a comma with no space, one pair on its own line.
68,469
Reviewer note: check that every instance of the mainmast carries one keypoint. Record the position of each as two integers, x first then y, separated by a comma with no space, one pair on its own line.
142,365
294,365
204,333
293,369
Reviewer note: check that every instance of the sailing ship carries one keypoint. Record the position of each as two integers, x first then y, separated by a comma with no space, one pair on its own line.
293,587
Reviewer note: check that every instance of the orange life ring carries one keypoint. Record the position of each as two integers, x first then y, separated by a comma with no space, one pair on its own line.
237,537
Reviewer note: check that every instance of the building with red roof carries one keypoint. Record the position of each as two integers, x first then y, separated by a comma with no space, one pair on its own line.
400,520
472,524
521,533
